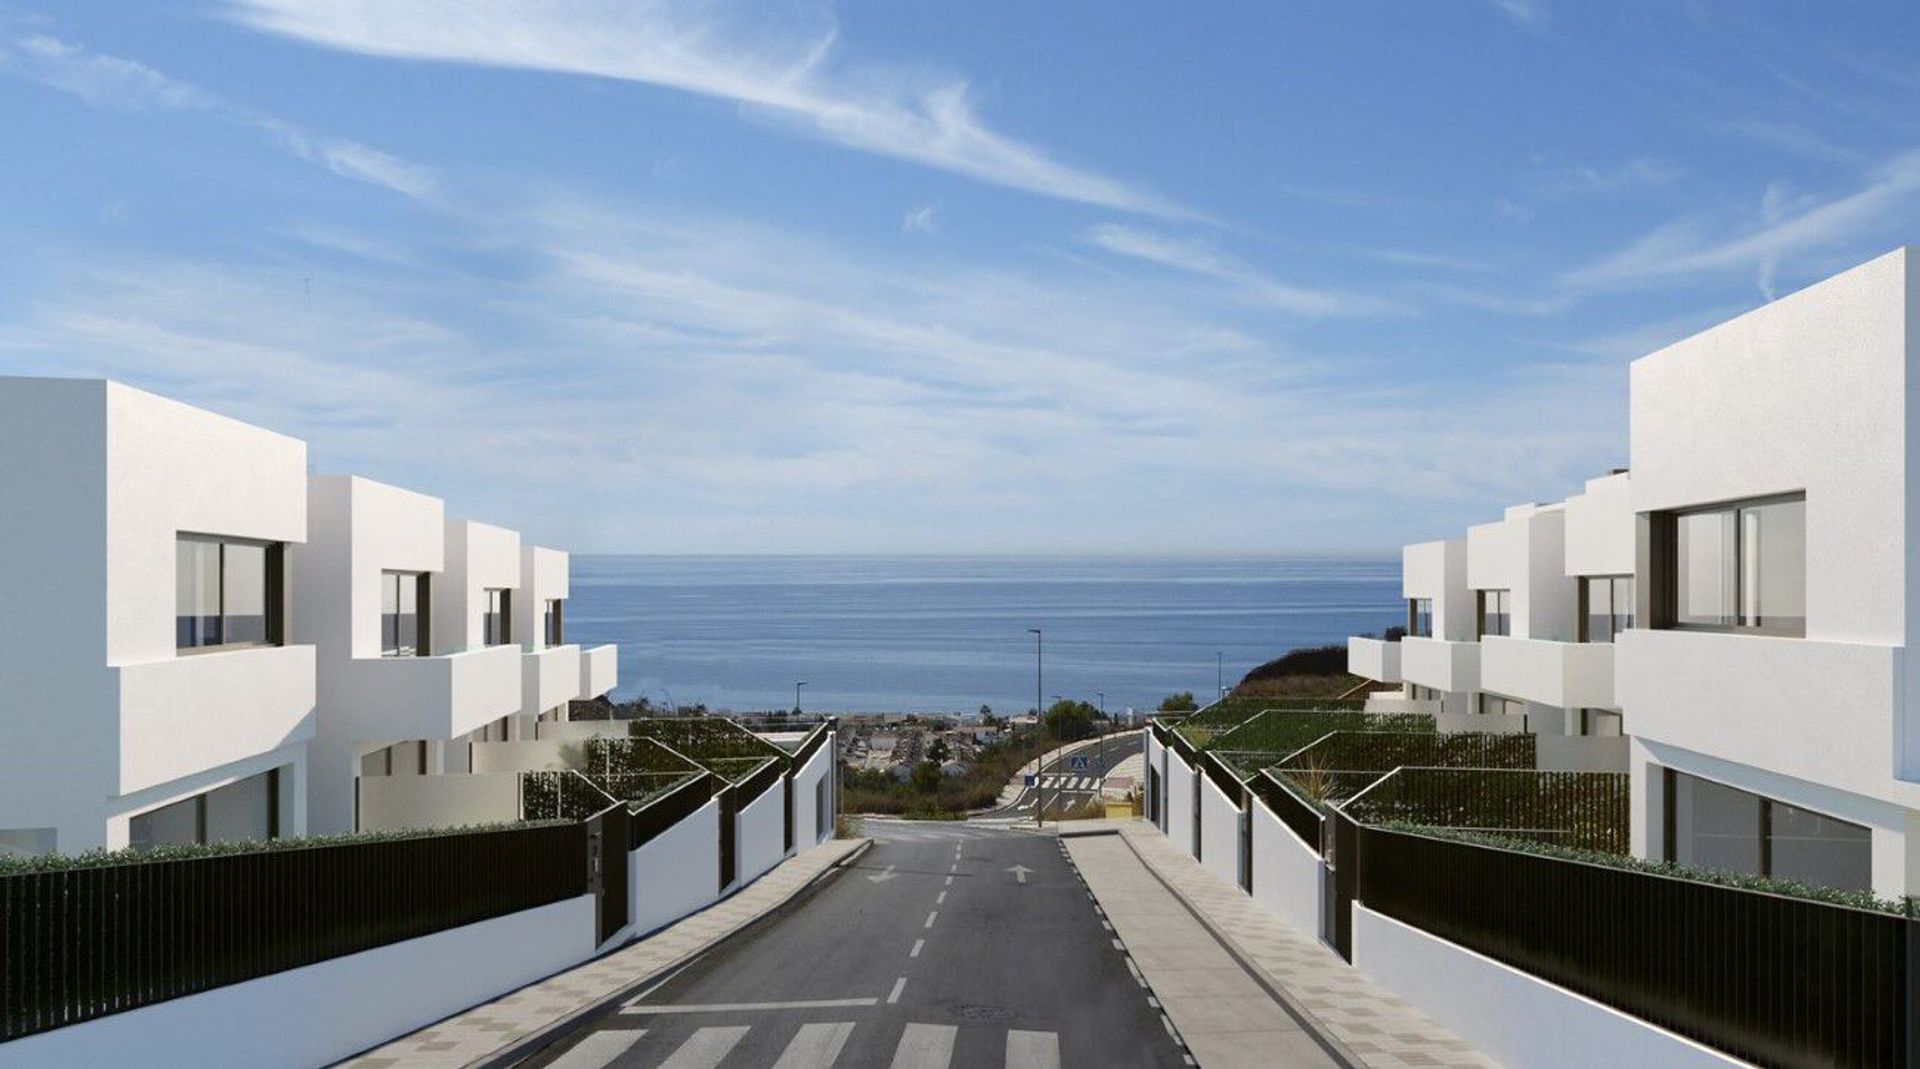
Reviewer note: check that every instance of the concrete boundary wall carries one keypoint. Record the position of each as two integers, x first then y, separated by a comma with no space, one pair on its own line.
324,1012
1519,1020
1179,807
1219,832
818,769
1289,878
676,873
762,841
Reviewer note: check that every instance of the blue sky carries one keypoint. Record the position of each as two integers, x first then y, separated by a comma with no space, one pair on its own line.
990,277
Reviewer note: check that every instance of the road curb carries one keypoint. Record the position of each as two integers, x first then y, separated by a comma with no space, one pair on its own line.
534,1042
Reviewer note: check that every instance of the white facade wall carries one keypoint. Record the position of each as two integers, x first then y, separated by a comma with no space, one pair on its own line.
1518,1020
438,801
678,872
1180,802
359,529
806,781
545,574
761,842
102,479
1449,661
1809,394
599,670
1155,757
1525,553
323,1013
1289,877
1219,832
1600,528
479,557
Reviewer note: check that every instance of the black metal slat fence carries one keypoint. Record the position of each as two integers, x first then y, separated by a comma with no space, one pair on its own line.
1300,816
1778,981
83,943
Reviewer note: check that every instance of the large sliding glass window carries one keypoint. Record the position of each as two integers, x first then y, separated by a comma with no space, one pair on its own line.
1606,606
403,614
1420,617
1713,826
226,592
496,622
1496,612
1738,567
553,626
247,810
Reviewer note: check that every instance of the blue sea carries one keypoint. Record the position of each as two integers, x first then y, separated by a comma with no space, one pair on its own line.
949,634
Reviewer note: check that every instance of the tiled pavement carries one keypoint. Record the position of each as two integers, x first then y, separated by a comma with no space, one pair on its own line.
1367,1025
485,1029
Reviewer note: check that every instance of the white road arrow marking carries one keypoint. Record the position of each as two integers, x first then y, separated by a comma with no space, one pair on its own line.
1019,872
882,877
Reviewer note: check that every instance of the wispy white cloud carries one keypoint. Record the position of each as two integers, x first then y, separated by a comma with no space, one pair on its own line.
919,220
119,84
790,77
1531,13
1590,180
1200,258
1695,246
1796,139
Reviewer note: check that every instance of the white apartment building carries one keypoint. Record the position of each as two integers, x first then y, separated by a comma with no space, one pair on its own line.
1738,602
210,644
152,690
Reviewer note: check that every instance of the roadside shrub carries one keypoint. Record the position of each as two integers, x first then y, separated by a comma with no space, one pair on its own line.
95,859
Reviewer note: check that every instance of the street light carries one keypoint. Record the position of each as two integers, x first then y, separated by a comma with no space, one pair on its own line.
1103,736
1220,673
1039,807
796,695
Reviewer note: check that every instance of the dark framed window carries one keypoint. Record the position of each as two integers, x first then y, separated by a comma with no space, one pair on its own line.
228,592
404,614
1606,723
1420,617
1735,567
1495,611
496,620
246,810
1713,826
1498,705
1606,606
553,623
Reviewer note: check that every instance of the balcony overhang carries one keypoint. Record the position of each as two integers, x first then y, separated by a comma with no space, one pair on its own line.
443,697
184,715
599,671
1447,666
549,678
1570,675
1372,658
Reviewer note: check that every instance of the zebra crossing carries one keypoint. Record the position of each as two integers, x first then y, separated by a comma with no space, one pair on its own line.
813,1046
1055,781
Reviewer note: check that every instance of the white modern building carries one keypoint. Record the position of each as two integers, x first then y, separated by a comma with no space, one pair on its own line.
210,644
1738,601
153,690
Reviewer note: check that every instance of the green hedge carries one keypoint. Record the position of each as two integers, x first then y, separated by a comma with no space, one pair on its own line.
1833,896
11,864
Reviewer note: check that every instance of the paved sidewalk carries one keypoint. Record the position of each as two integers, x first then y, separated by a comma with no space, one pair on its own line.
1124,777
493,1026
1363,1022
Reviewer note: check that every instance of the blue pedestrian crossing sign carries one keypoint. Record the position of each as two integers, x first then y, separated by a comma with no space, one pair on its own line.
1032,779
1079,762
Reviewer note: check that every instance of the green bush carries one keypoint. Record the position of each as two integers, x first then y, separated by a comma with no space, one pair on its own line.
1832,896
11,865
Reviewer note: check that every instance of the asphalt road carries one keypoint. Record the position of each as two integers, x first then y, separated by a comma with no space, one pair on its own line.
929,953
1063,785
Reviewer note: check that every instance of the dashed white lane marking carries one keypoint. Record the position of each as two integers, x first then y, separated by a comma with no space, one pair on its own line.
949,882
898,986
707,1047
598,1049
925,1046
816,1046
1032,1050
917,944
941,900
930,918
738,1007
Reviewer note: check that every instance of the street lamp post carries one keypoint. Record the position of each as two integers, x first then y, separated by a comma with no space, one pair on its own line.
796,695
1219,674
1039,799
1103,734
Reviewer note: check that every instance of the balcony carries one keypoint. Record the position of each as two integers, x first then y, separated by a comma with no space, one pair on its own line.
187,714
1442,665
1370,658
1570,675
599,671
1830,712
549,678
394,698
